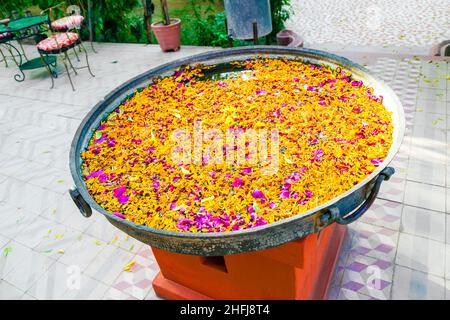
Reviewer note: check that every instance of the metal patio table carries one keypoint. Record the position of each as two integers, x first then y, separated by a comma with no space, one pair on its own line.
23,28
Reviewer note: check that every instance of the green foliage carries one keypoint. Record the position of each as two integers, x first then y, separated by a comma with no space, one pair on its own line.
122,20
112,22
280,13
7,6
205,27
208,28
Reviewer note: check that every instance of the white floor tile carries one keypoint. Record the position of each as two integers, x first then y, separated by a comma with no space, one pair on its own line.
54,282
447,237
421,254
447,200
82,252
3,241
426,172
425,196
29,270
15,220
108,264
384,213
346,294
35,232
102,229
432,120
86,289
9,292
11,255
425,223
415,285
447,261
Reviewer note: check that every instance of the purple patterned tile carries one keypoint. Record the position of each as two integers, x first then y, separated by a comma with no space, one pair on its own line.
381,284
361,250
383,264
384,248
352,285
357,266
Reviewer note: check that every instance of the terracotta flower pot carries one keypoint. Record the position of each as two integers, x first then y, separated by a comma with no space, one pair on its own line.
168,36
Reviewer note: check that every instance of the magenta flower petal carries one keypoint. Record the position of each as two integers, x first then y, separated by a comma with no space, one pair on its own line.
103,177
119,191
258,194
238,182
259,222
284,194
118,214
250,209
308,193
111,142
100,140
286,186
272,205
376,161
357,83
247,170
95,174
320,153
123,199
261,92
185,224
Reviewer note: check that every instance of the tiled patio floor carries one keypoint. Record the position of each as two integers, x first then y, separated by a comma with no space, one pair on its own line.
372,23
49,251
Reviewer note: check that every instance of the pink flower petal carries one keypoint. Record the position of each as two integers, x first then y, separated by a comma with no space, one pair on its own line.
100,140
119,191
238,182
123,199
285,194
94,174
118,214
376,161
258,194
185,224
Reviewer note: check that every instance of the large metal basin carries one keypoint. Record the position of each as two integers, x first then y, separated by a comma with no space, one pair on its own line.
343,209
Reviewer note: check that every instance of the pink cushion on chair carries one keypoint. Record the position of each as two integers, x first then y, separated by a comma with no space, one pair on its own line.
58,41
5,35
67,23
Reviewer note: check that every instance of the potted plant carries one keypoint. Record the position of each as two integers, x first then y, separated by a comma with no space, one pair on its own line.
167,32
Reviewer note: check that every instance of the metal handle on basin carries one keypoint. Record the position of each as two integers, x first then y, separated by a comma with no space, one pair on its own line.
383,176
82,205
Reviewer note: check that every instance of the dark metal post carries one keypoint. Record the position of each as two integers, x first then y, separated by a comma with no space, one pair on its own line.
90,25
230,40
148,11
255,32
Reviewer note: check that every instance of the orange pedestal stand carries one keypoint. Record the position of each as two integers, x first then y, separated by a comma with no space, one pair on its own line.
300,269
